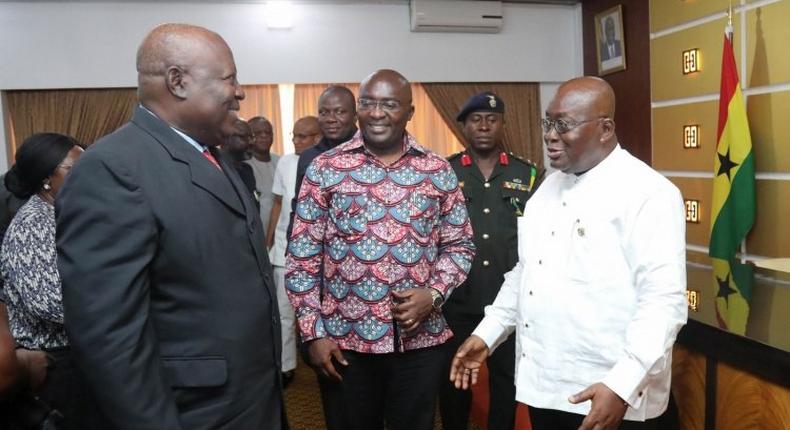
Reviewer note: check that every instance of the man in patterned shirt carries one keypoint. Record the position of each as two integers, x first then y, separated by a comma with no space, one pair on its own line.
381,237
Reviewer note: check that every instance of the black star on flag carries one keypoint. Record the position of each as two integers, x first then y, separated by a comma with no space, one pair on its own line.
724,289
726,164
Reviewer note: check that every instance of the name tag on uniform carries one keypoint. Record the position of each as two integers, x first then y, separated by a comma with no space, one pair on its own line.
514,186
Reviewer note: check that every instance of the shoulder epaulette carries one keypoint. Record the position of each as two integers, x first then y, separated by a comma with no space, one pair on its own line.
525,161
454,156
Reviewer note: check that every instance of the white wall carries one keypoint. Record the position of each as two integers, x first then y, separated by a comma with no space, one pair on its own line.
92,44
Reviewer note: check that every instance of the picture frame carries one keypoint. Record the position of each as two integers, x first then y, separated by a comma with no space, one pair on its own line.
610,40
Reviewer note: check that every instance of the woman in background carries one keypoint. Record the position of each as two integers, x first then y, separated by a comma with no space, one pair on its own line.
28,266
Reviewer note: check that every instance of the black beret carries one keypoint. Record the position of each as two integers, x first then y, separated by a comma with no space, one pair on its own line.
481,102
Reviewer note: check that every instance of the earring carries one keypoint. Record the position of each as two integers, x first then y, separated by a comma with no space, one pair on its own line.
47,187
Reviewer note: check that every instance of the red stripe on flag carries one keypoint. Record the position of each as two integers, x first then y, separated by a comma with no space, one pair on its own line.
729,81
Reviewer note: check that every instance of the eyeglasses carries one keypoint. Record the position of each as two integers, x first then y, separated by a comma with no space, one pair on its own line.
563,125
385,105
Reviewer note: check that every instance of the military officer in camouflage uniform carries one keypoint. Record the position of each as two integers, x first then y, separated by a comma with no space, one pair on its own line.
496,186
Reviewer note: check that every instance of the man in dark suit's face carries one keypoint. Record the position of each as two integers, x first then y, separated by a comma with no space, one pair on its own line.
201,93
212,93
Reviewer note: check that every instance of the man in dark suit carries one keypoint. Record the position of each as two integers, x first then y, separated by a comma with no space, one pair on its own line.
610,46
169,301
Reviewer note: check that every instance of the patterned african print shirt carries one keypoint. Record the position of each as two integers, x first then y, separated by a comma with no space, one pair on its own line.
28,263
363,229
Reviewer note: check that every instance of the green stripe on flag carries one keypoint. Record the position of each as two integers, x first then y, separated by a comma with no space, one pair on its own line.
736,216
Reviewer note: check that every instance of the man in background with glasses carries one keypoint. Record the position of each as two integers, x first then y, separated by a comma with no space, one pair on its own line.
381,237
306,133
597,306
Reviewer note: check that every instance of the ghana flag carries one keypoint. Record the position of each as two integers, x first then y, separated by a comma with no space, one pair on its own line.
733,207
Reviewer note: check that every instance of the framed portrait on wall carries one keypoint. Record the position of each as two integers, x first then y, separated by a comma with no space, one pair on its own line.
610,40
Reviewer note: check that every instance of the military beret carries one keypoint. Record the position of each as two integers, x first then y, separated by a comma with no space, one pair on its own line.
481,102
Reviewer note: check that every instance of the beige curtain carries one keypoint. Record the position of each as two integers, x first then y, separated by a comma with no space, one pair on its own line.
306,97
522,112
427,125
84,114
264,100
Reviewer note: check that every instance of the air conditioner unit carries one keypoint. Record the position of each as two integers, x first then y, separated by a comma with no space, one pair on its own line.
456,16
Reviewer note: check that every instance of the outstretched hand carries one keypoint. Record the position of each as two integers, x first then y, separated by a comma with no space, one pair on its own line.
466,364
607,411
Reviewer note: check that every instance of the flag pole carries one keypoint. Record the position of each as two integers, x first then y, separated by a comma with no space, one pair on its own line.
729,33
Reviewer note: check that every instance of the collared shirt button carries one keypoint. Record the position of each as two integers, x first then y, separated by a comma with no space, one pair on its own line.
564,204
486,210
523,354
640,394
530,292
552,233
487,185
486,236
526,325
486,263
540,261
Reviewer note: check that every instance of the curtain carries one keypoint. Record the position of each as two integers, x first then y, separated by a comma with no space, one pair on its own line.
264,100
427,125
83,114
523,135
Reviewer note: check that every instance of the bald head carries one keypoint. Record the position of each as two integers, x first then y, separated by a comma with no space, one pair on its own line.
397,81
582,130
306,133
340,92
187,77
591,93
384,110
173,45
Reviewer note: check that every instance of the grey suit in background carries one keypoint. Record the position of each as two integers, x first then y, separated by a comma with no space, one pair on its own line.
169,301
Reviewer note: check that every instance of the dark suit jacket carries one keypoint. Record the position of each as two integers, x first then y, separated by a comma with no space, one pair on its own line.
605,50
169,302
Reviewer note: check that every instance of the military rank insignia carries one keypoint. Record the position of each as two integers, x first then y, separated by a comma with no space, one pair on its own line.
515,185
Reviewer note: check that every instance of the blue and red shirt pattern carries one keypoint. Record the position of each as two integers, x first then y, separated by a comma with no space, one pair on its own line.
363,229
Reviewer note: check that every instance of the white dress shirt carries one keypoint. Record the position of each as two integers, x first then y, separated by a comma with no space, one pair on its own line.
284,185
598,294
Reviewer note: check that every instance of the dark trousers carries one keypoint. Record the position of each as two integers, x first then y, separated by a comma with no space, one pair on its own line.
454,404
397,389
549,419
64,389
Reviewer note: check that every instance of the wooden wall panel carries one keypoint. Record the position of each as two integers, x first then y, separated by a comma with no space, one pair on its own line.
668,150
768,33
666,60
770,130
745,402
668,13
688,387
631,86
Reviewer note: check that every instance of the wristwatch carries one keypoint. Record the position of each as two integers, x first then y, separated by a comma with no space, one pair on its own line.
438,299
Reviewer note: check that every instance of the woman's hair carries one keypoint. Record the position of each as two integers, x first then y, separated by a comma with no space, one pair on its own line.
36,160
